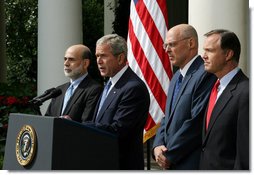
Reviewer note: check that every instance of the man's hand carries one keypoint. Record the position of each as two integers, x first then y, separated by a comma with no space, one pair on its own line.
66,117
160,158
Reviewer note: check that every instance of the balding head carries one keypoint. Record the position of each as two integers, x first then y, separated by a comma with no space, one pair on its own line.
185,31
181,44
77,59
81,51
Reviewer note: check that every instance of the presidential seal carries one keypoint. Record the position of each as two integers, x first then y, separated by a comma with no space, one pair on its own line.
26,145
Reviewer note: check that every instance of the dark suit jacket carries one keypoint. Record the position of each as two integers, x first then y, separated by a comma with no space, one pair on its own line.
226,143
124,113
181,128
82,103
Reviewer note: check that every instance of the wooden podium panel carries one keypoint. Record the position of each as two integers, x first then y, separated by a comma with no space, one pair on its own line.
58,144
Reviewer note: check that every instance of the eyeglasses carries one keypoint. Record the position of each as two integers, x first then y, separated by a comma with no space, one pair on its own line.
173,43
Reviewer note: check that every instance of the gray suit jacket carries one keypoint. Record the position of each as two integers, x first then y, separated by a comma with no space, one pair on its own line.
181,128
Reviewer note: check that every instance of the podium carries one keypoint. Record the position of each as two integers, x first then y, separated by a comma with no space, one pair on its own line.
49,143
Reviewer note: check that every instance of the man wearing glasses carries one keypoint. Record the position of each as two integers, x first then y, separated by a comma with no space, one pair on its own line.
177,144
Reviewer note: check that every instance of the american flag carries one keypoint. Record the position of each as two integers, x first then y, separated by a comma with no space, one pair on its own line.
148,25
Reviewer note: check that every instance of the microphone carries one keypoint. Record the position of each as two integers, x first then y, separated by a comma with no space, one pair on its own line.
44,94
52,94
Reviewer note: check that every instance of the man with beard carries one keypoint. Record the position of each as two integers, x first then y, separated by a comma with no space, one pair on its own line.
80,95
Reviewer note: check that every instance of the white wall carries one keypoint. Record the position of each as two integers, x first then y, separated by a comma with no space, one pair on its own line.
206,15
251,5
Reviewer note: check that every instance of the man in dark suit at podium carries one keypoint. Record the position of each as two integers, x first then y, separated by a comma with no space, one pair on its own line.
125,109
80,95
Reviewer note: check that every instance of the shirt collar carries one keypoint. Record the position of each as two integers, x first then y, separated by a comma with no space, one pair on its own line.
76,82
228,77
118,75
187,66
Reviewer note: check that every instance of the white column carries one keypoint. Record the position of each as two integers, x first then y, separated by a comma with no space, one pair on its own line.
206,15
251,4
59,26
109,15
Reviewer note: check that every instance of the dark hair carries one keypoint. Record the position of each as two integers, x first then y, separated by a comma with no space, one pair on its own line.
86,54
228,40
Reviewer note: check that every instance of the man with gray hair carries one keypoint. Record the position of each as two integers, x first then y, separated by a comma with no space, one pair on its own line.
124,104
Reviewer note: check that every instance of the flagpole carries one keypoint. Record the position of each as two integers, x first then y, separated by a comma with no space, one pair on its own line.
148,154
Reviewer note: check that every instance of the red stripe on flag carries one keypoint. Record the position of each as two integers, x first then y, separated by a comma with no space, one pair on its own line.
154,35
163,7
149,123
146,69
151,14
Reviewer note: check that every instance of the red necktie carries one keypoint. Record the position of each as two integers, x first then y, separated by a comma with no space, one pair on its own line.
212,101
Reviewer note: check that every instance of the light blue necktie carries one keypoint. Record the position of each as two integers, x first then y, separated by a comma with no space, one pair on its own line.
104,94
67,96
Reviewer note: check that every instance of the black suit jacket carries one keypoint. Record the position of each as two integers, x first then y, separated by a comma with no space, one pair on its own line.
81,104
124,112
181,128
226,142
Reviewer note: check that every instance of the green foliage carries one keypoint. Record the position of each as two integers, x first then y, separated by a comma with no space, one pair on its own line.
21,40
93,29
21,52
122,13
1,157
13,99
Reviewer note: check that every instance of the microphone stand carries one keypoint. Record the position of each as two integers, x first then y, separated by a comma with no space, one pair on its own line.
37,102
35,105
36,108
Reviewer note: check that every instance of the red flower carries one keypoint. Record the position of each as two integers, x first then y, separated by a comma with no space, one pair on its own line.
11,100
25,100
5,126
1,98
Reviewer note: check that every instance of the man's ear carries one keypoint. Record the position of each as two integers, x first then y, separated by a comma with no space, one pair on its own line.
191,43
229,54
121,59
86,63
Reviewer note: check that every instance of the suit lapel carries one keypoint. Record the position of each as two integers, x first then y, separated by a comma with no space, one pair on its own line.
219,106
168,113
113,93
222,101
61,101
76,95
185,82
193,68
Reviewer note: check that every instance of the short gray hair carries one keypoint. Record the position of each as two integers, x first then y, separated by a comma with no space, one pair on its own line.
117,44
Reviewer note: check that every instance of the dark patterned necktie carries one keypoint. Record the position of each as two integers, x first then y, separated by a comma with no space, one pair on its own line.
177,89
